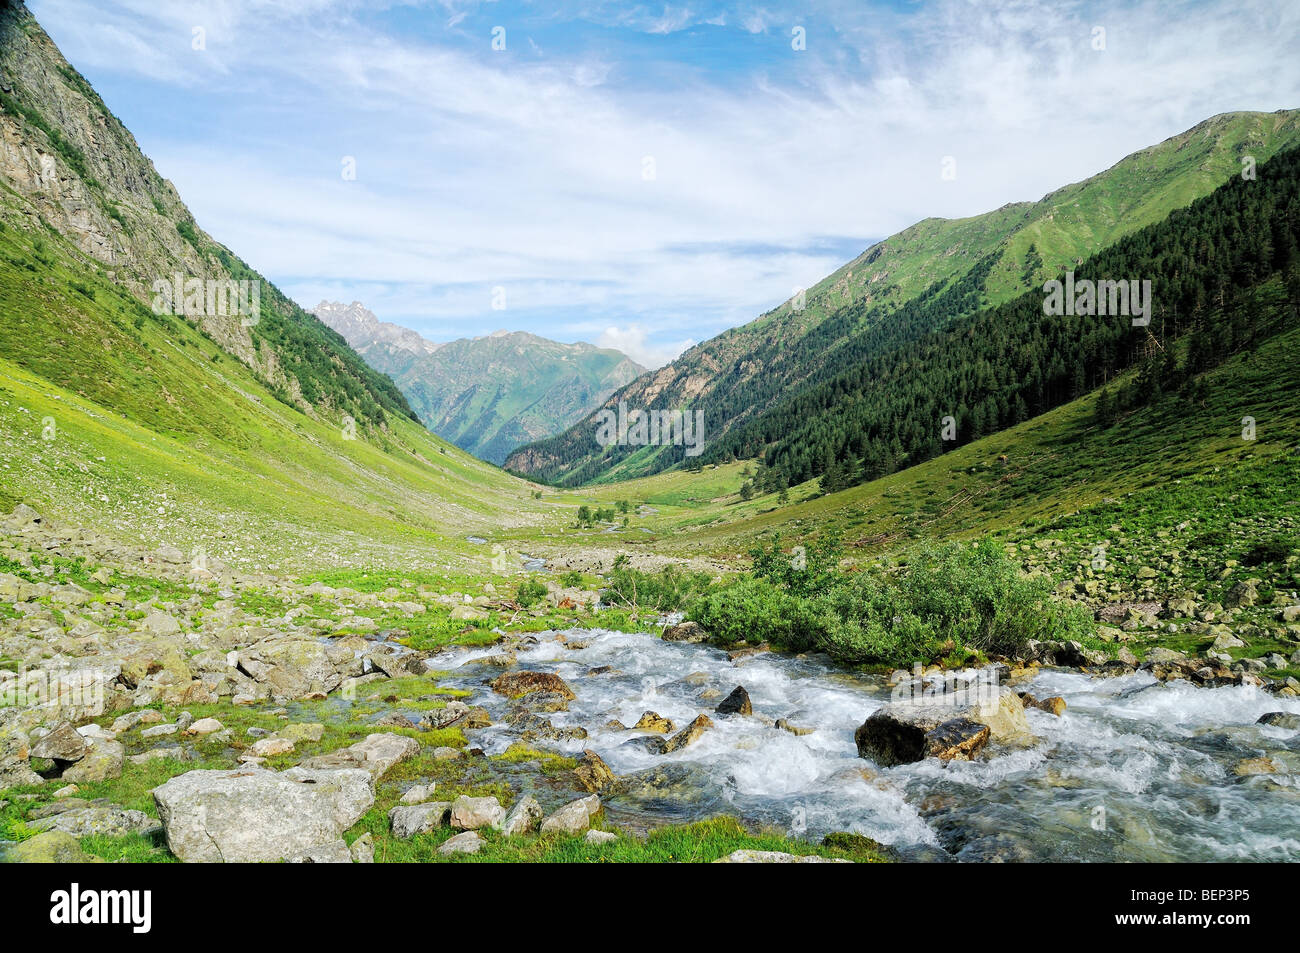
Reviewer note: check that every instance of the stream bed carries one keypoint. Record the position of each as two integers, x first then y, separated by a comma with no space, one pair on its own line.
1135,769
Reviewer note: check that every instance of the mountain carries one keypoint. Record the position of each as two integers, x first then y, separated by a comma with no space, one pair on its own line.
199,428
487,395
972,263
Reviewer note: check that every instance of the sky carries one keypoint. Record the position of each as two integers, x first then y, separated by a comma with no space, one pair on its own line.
641,176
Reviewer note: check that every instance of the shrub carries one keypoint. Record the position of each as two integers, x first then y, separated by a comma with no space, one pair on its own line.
668,590
806,570
530,592
755,610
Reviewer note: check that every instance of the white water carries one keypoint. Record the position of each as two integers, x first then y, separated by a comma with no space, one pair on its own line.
1134,770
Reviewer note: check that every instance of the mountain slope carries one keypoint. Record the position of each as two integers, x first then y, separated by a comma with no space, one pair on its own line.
263,445
491,394
993,257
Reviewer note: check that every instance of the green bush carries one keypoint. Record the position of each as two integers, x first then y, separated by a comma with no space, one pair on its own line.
755,610
668,590
530,592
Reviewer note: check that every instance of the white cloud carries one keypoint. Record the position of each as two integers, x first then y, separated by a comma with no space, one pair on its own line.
631,340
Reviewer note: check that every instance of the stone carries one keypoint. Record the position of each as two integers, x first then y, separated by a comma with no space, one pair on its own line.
363,849
687,736
523,817
1054,705
653,721
600,837
737,703
1280,719
61,744
160,623
516,684
469,842
270,747
420,793
302,731
52,847
689,632
111,820
775,857
158,731
574,817
409,820
471,813
957,740
376,754
797,730
333,852
204,726
444,753
592,773
444,717
251,815
896,733
102,762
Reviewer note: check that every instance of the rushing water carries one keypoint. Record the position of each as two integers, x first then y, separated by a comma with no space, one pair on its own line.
1135,770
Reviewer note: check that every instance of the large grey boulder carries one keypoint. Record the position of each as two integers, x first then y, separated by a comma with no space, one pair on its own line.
574,818
250,815
523,817
101,762
411,819
471,813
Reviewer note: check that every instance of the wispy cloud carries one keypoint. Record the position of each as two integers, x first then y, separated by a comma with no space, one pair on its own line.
650,174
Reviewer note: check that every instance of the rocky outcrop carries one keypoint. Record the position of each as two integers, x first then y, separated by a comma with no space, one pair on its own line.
518,684
737,703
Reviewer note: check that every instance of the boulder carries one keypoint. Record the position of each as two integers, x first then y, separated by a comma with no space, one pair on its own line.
62,744
376,754
470,842
574,817
897,733
957,740
471,813
592,773
250,815
101,762
523,817
653,721
688,735
409,820
109,820
1280,719
516,684
52,847
689,632
600,837
737,703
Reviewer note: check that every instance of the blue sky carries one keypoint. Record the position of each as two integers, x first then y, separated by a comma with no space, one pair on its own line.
523,169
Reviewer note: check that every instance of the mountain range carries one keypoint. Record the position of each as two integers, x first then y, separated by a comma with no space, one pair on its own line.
489,394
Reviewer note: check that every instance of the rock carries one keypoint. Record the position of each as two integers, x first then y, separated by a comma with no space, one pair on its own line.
270,747
1054,705
333,852
592,773
688,735
445,717
737,703
420,793
896,733
376,754
407,821
689,632
61,744
957,740
653,721
516,684
1280,719
102,762
793,729
160,623
600,837
111,820
363,849
523,817
302,731
775,857
464,613
1242,594
1225,640
158,731
52,847
1252,766
250,815
204,726
574,817
444,753
469,842
471,813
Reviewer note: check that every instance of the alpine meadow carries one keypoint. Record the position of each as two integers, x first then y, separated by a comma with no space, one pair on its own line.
860,434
